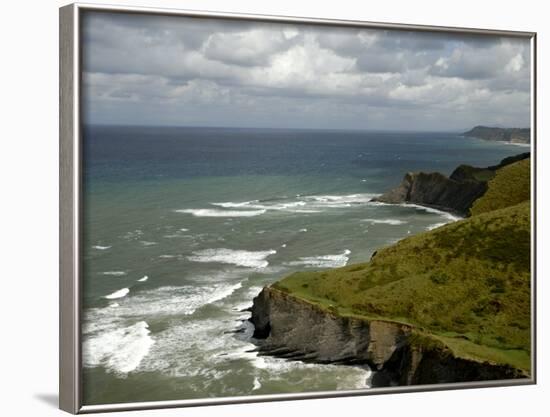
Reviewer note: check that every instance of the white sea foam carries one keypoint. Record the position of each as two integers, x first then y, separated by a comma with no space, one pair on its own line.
201,349
250,295
303,230
324,261
222,213
393,222
253,292
522,145
163,301
250,259
114,273
145,278
256,385
341,200
255,204
435,226
184,300
230,204
448,216
191,349
304,204
183,229
117,336
120,350
147,243
118,294
346,377
167,256
99,247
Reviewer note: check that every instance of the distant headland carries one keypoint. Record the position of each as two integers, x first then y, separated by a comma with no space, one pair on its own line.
512,135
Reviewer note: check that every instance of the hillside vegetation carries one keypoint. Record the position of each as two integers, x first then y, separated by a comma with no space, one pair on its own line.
510,186
466,284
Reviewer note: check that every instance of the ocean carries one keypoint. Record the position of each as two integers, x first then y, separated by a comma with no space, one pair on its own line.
183,226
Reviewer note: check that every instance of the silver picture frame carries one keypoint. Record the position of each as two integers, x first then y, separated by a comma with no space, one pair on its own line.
71,206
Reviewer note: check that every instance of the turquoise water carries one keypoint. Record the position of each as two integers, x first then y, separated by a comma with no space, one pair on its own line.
184,226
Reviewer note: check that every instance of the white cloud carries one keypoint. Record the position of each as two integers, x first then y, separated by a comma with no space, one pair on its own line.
169,69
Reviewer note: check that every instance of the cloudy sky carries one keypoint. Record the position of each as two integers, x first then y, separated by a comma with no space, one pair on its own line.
158,70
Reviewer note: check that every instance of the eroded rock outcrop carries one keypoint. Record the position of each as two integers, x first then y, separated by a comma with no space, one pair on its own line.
435,190
456,193
289,327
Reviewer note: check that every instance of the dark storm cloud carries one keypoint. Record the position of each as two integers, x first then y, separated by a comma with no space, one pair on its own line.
173,70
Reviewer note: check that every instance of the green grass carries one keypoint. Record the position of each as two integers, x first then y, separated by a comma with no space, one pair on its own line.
510,186
466,284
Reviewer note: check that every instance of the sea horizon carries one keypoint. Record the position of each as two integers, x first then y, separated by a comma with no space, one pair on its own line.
321,129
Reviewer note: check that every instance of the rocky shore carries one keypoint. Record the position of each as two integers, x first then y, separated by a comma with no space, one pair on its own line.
455,194
361,314
292,328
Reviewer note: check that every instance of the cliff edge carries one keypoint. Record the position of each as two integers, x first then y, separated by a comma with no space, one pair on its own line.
398,354
456,193
448,305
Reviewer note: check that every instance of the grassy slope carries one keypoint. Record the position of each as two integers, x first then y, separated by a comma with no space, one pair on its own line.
511,185
466,284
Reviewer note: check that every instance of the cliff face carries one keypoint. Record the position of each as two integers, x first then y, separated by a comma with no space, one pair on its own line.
436,190
456,193
289,327
512,135
293,328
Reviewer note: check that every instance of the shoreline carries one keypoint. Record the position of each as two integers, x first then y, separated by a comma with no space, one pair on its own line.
325,327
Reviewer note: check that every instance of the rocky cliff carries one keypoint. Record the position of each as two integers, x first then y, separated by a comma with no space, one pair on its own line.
456,193
448,305
435,190
290,327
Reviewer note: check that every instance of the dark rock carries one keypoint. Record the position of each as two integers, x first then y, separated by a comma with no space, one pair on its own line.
456,193
261,315
413,365
289,325
437,191
295,329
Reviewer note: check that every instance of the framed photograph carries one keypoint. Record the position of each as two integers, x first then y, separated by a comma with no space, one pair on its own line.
257,208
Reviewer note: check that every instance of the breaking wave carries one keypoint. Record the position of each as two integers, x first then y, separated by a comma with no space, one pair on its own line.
324,261
118,294
114,273
221,213
120,350
393,222
249,259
